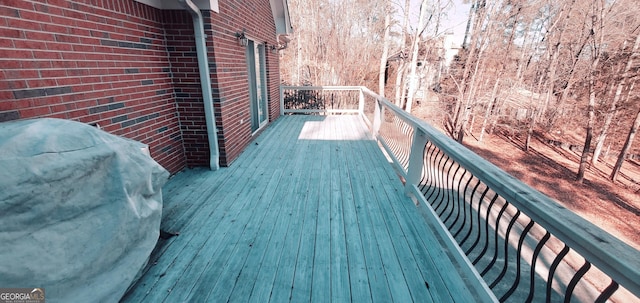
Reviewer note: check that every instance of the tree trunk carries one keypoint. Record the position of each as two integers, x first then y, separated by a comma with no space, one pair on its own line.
596,27
385,54
413,77
460,110
555,53
552,80
532,124
467,30
568,88
489,109
625,148
470,96
614,103
401,67
590,122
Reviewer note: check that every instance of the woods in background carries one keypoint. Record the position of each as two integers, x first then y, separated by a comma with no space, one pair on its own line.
526,66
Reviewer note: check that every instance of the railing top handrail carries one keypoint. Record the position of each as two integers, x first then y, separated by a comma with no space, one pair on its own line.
617,259
321,87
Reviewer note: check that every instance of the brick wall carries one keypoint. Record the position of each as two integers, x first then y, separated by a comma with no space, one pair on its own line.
230,70
186,82
99,62
229,76
133,70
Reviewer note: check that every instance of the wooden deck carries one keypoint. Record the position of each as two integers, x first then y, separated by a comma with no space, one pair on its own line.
312,211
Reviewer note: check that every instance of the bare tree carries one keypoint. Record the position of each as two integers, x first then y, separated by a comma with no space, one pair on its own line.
399,86
413,77
626,73
323,53
385,54
625,147
597,42
455,121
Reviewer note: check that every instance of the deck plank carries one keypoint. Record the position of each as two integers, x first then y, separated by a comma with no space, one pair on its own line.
311,211
302,280
222,269
378,284
358,277
175,258
443,286
261,292
321,275
304,195
340,290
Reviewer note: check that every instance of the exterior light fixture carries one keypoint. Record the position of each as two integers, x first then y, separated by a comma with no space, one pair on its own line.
274,49
242,39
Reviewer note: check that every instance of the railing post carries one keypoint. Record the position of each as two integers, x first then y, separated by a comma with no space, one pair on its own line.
377,118
416,162
281,100
361,102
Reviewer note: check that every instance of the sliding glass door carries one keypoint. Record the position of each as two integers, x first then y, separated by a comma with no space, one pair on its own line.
256,67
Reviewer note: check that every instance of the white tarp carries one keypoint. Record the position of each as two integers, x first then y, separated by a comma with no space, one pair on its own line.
80,209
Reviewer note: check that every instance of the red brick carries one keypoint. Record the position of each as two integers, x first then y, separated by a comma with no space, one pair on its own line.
10,33
43,101
6,43
79,32
59,3
85,24
9,64
50,73
90,41
21,74
62,47
15,54
66,38
6,95
41,83
68,81
57,108
35,16
94,56
9,12
74,14
34,112
63,21
63,64
73,56
53,28
78,113
82,48
18,4
7,104
58,116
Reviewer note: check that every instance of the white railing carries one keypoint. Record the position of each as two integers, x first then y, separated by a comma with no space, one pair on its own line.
321,100
523,244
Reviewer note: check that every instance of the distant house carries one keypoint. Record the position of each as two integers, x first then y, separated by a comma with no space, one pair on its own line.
131,66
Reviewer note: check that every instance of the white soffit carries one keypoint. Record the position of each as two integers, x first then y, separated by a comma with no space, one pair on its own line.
172,4
280,9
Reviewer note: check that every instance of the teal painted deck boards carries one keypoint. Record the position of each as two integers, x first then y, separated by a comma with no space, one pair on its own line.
311,211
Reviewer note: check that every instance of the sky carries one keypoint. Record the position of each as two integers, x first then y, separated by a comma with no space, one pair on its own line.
455,20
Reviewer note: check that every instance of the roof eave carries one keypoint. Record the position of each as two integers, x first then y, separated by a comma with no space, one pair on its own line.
280,9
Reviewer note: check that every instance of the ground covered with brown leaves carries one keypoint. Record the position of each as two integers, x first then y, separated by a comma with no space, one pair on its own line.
615,207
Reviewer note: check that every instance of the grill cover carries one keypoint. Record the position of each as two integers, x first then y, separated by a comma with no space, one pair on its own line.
80,209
